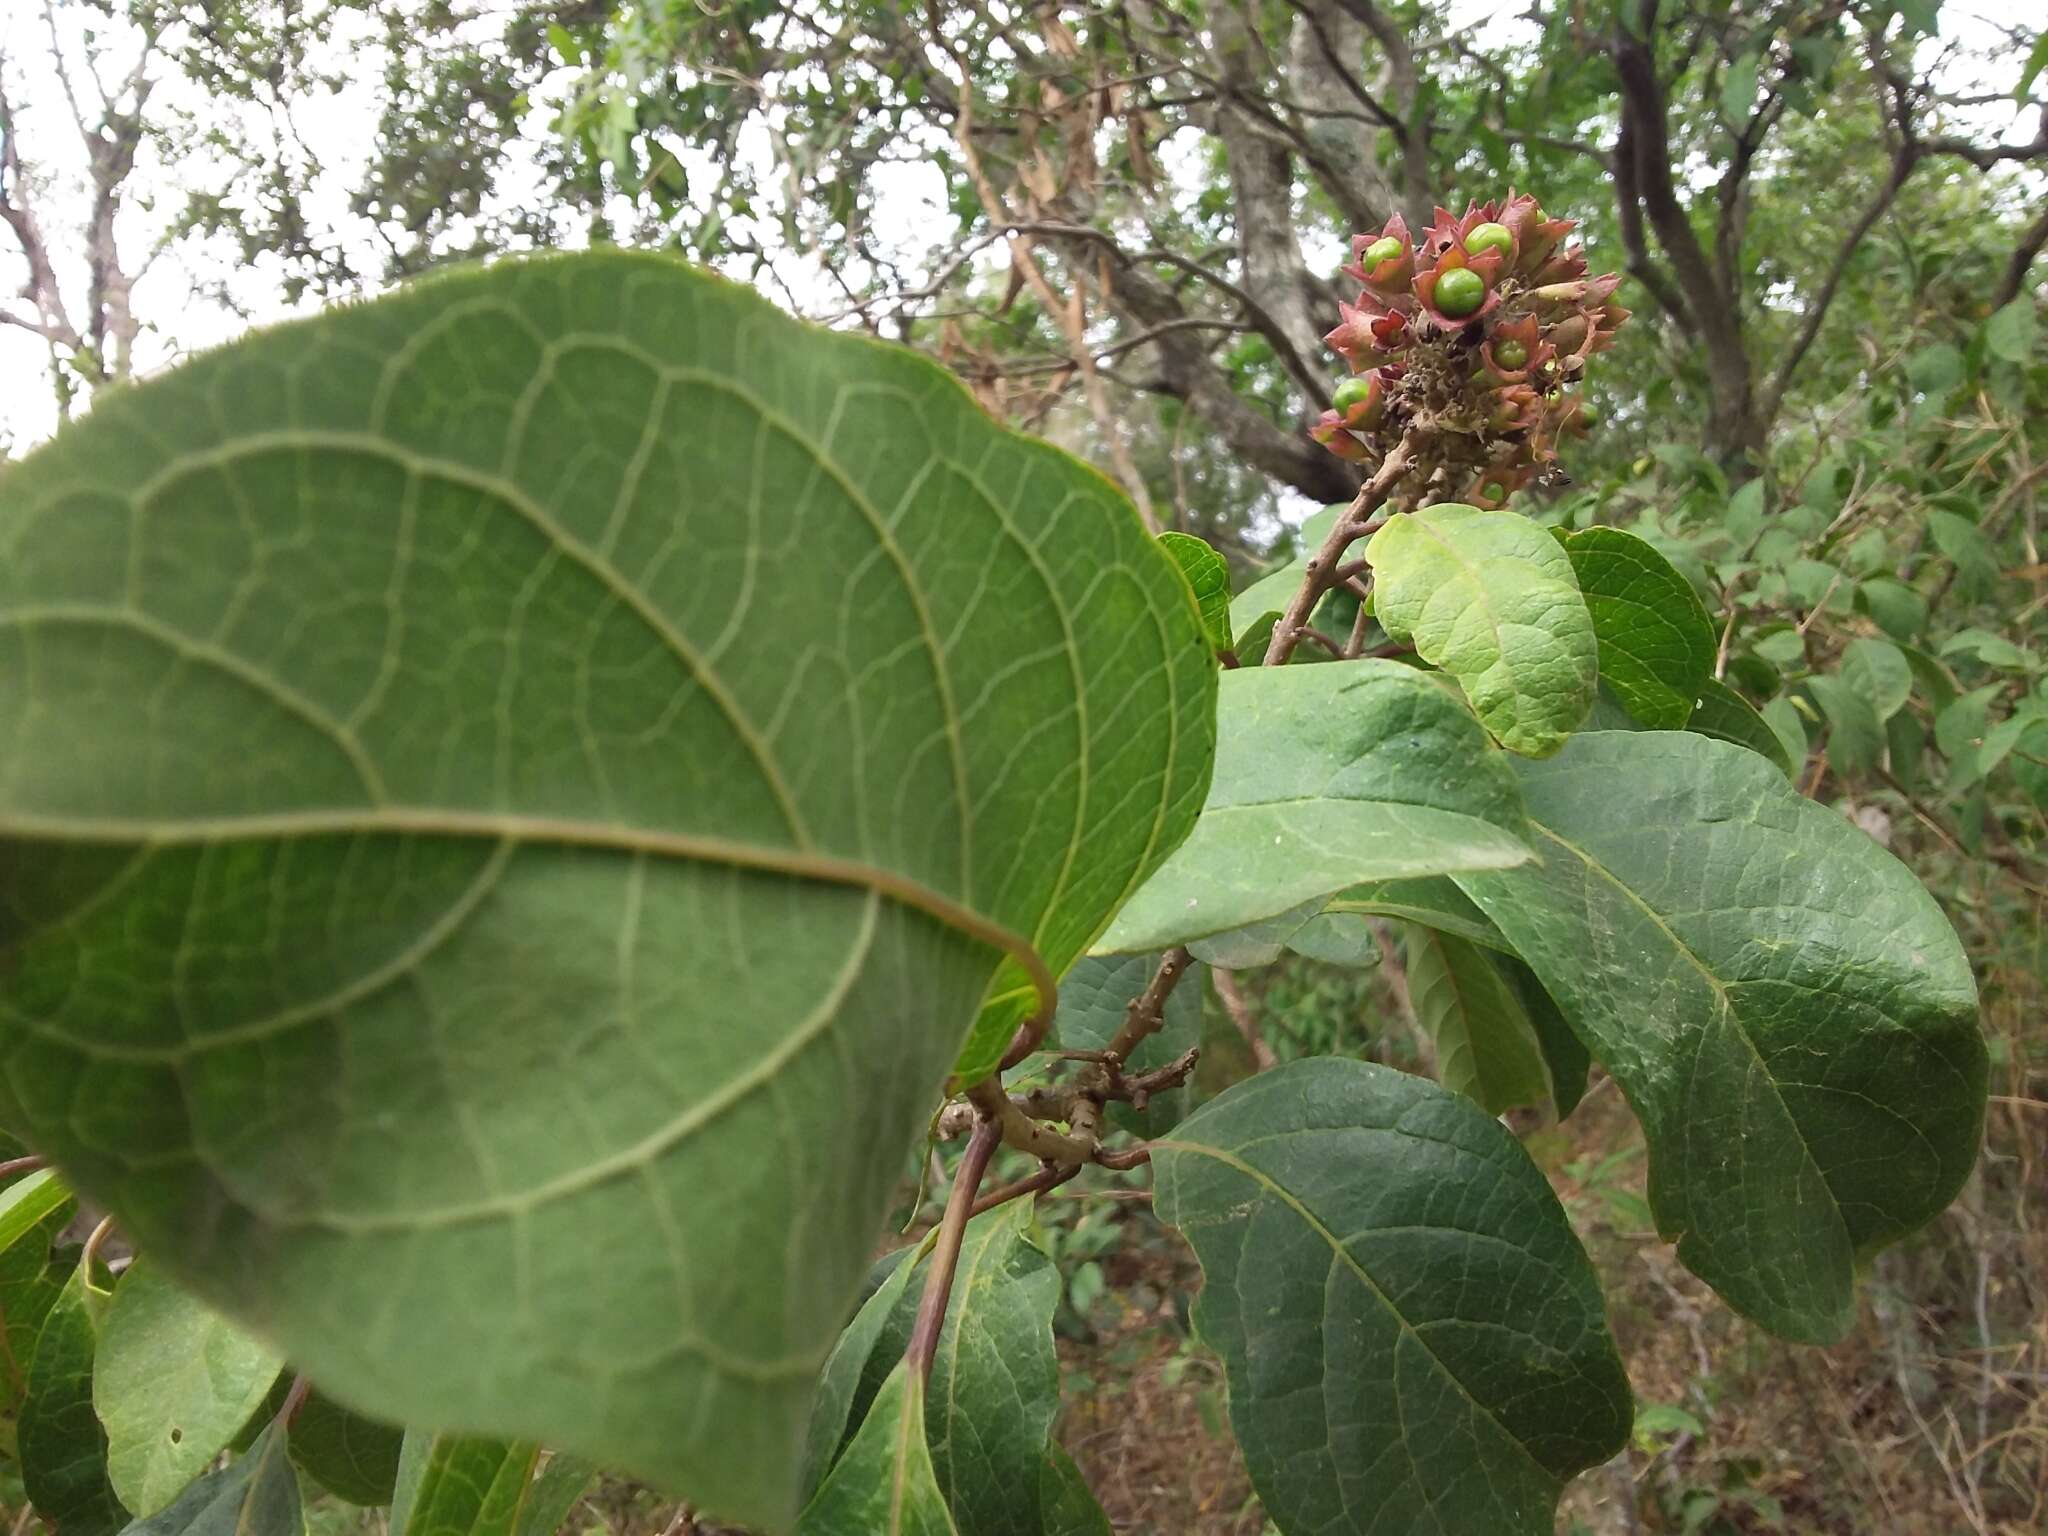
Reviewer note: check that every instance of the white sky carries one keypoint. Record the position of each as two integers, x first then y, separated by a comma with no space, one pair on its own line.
179,318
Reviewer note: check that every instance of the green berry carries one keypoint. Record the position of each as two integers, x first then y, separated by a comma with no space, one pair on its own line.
1489,237
1460,291
1386,248
1493,490
1511,353
1588,416
1353,392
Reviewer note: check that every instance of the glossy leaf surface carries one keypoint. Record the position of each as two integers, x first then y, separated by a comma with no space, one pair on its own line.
256,1494
1327,776
1787,1009
884,1485
1414,1340
1656,641
1486,1045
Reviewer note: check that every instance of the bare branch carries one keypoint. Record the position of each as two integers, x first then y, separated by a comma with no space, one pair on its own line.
2022,259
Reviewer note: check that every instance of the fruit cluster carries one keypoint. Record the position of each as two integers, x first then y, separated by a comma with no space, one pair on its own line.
1468,347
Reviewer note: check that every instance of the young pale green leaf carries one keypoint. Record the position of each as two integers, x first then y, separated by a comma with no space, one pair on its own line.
173,1382
603,737
1787,725
1327,776
995,1380
560,1482
1785,1006
884,1485
1337,938
1434,901
461,1485
1656,641
63,1448
1096,995
1727,716
1068,1503
254,1495
1490,597
1486,1046
353,1458
2011,330
26,1203
1898,609
1855,733
1877,669
1414,1340
1208,578
1255,944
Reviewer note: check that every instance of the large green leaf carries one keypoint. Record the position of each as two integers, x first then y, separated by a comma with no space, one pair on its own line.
254,1495
461,1485
1656,641
995,1379
1096,995
63,1448
514,794
1491,598
1414,1340
353,1458
884,1484
173,1383
1327,776
1784,1005
1486,1045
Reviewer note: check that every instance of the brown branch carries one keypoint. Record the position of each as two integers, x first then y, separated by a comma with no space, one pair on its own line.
938,1283
2022,259
1051,1176
1322,565
15,1165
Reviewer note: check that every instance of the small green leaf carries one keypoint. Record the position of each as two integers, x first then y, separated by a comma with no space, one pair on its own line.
1255,944
884,1485
1963,542
1738,90
1936,370
353,1458
835,1413
1486,1046
2037,60
1784,720
30,1286
460,1485
1208,577
1962,724
1490,597
26,1203
1326,776
1727,716
1413,1338
63,1447
1855,741
1991,649
2011,331
1899,610
173,1383
254,1495
1788,1011
1094,998
559,1484
1337,938
1656,641
1565,1056
1877,670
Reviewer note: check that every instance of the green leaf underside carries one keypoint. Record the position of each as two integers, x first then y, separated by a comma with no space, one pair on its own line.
509,783
63,1447
1727,716
1490,597
1337,938
884,1484
1855,733
254,1495
1788,1011
173,1383
995,1380
1656,643
556,1488
1094,998
1565,1057
1259,943
1414,1340
26,1203
843,1386
1325,777
461,1485
353,1458
1486,1046
1208,578
1434,901
32,1214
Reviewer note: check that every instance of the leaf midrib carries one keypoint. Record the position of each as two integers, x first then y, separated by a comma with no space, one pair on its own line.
1315,1224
